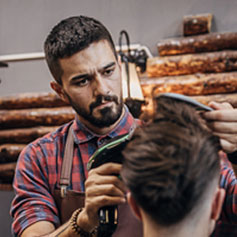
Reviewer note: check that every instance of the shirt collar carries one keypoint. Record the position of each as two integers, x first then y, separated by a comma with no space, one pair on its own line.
82,134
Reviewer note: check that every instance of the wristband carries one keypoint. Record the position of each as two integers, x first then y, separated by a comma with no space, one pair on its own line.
232,157
77,229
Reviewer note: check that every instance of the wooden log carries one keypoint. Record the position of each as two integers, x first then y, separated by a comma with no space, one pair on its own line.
222,61
31,100
148,109
7,172
197,24
6,187
196,84
230,98
7,167
196,44
6,176
34,117
24,135
10,152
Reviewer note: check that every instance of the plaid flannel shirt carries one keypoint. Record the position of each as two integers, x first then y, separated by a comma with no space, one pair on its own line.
227,225
39,168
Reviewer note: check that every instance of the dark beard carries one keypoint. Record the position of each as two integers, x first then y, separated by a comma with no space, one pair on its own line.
108,117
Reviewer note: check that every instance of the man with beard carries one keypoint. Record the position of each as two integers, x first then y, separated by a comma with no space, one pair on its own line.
82,59
81,56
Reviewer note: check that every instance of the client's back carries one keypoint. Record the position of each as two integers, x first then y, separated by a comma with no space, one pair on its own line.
172,169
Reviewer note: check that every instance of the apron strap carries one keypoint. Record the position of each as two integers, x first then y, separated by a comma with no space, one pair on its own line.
67,163
68,201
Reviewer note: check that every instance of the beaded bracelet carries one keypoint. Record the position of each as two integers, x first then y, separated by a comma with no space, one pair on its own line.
77,229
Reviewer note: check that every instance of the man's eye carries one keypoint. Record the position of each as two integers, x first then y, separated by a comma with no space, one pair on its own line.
82,82
108,72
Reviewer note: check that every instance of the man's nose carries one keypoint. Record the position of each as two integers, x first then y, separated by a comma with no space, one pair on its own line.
100,86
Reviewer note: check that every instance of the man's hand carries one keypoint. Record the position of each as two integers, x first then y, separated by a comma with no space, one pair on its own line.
103,188
223,122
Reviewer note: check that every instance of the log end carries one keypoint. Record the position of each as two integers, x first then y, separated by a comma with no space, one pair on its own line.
197,24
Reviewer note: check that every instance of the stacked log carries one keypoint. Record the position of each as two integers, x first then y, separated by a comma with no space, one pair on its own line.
193,84
221,98
24,118
34,117
197,24
200,64
197,44
25,135
10,152
31,100
214,62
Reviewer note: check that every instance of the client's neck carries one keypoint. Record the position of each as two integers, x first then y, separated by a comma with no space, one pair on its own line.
151,229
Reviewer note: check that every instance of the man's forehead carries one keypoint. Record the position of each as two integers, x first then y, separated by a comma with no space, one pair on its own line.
96,57
97,52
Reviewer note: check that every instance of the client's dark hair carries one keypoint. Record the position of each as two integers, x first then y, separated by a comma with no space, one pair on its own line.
169,164
71,36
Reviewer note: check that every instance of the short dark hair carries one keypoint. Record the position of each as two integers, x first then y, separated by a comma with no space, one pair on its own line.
70,36
170,163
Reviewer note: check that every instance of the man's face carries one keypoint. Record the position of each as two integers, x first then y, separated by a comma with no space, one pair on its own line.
91,82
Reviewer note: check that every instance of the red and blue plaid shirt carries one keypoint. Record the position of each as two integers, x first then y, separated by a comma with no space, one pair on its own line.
227,225
39,168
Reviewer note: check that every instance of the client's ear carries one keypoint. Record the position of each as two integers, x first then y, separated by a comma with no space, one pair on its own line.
217,203
134,206
216,207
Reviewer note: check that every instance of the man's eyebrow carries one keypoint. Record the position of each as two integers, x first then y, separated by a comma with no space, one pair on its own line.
81,76
78,77
108,66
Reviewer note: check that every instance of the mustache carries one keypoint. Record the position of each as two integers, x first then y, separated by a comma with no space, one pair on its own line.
103,98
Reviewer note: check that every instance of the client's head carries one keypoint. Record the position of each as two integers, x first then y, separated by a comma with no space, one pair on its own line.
172,170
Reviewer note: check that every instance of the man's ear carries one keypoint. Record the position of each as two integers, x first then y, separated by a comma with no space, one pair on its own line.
217,203
134,206
59,90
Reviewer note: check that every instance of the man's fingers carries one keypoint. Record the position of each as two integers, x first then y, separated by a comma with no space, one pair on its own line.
223,123
221,115
103,200
227,146
223,112
105,189
218,106
107,169
229,137
103,195
223,127
93,204
97,181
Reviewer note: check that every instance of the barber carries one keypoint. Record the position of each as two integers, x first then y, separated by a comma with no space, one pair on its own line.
81,56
